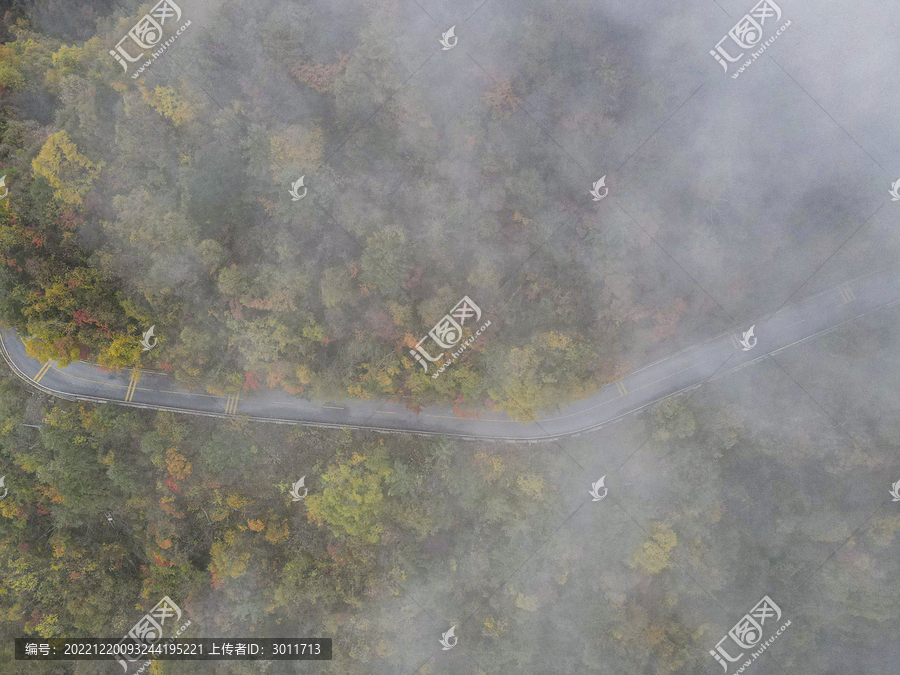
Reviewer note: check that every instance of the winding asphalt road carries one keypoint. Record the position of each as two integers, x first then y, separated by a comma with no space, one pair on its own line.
679,372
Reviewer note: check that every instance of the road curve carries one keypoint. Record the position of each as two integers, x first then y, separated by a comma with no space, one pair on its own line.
712,359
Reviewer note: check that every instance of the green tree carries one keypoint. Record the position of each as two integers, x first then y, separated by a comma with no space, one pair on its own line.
337,286
386,261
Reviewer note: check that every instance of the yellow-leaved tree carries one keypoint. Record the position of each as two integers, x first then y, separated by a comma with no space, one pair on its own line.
229,559
168,103
352,500
69,172
121,351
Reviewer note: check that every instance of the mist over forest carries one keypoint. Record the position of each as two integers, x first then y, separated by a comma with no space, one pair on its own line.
161,202
165,191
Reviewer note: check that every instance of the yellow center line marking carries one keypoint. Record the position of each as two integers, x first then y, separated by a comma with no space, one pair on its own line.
42,371
683,370
184,393
331,407
476,419
621,387
231,404
132,384
385,412
846,295
113,384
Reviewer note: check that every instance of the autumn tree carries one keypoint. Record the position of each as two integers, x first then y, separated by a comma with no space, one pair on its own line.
170,104
69,172
352,501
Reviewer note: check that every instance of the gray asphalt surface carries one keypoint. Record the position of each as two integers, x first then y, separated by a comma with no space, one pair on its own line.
679,372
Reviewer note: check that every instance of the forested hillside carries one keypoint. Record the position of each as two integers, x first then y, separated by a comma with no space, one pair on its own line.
200,511
294,193
165,201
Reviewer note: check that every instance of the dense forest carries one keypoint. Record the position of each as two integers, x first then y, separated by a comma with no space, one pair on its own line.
165,201
162,198
111,509
200,511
